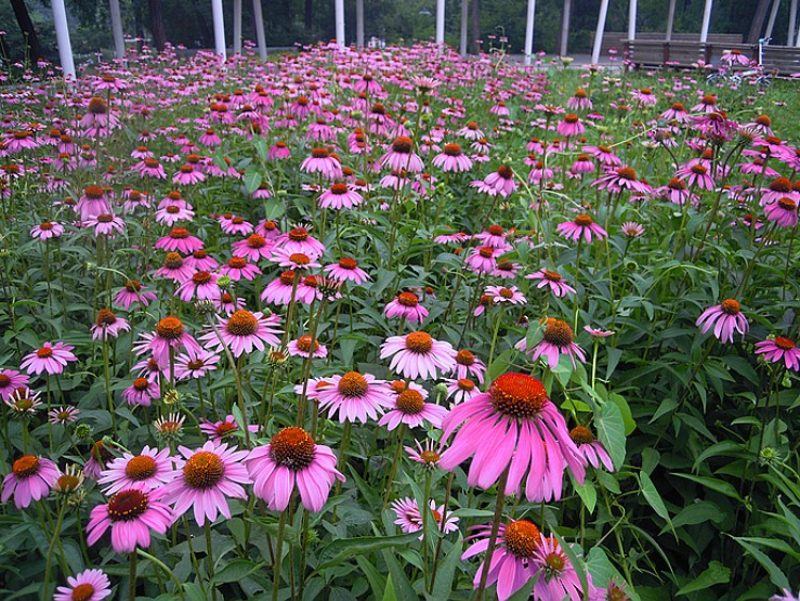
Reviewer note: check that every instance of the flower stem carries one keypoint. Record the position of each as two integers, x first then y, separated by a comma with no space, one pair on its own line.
56,533
498,514
276,572
210,560
132,577
393,470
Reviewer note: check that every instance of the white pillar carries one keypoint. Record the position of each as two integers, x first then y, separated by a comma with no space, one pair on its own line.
360,23
772,16
339,10
562,49
62,37
237,26
219,28
440,22
706,21
598,34
670,20
116,26
464,26
529,31
260,38
632,6
792,20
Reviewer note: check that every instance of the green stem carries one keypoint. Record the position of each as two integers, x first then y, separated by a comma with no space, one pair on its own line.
210,560
132,577
393,470
276,572
498,515
56,534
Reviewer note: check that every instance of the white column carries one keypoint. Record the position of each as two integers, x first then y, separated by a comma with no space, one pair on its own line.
62,37
670,20
772,16
632,6
598,34
219,28
360,23
339,10
440,22
260,38
792,20
464,26
529,31
237,26
706,21
562,49
116,26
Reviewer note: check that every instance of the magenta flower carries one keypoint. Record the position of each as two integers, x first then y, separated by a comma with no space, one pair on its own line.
93,203
51,358
108,325
407,306
452,158
427,455
306,347
170,333
467,364
106,224
133,292
238,268
501,294
218,430
293,458
89,585
205,480
254,247
417,355
147,471
409,517
581,226
175,268
559,339
347,270
201,286
553,280
244,331
726,318
30,479
401,156
570,127
142,392
130,514
195,364
10,380
298,240
783,212
500,182
460,390
47,230
323,163
592,449
179,240
513,556
340,196
557,576
513,425
354,397
409,408
780,348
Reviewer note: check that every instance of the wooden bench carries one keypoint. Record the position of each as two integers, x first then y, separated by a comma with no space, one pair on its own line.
617,40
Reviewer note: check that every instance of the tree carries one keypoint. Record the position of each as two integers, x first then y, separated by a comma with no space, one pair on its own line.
476,27
157,24
27,29
758,21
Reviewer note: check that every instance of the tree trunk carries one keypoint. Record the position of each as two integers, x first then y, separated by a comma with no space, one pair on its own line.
27,29
205,30
476,27
157,24
758,21
308,17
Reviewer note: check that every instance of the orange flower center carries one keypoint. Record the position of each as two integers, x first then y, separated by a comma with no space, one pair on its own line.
292,448
787,204
559,333
583,220
179,233
26,466
127,505
46,226
452,150
410,402
170,328
581,435
224,428
780,184
242,323
353,384
299,259
82,592
506,293
203,470
320,153
347,263
419,342
338,189
407,299
44,352
237,263
784,343
140,384
298,234
465,357
256,241
93,192
518,395
570,118
287,278
486,252
201,277
551,276
466,385
730,307
699,169
402,144
522,538
171,261
505,172
627,173
141,468
307,344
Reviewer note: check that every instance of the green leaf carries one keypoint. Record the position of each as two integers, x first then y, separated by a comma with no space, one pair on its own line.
716,573
500,364
611,431
619,401
777,576
402,587
445,572
252,179
340,549
388,592
274,209
714,484
726,448
237,570
698,513
375,578
654,499
194,592
587,492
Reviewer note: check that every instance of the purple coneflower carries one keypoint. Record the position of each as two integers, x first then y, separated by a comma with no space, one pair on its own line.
195,364
179,240
501,294
557,577
133,292
582,225
89,585
347,270
30,479
553,280
592,449
169,333
51,358
780,348
47,230
63,415
500,182
406,305
418,355
142,392
10,380
559,339
409,408
783,212
409,517
726,319
306,347
243,331
108,325
452,158
130,514
146,471
354,397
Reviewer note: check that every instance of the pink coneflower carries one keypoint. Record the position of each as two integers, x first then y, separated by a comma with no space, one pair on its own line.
169,333
645,97
172,214
201,286
321,161
632,229
427,455
106,224
558,340
244,331
354,397
347,270
452,158
409,517
150,167
216,431
500,182
597,332
130,514
51,358
512,424
293,458
188,175
501,294
63,415
205,479
726,319
175,269
47,230
406,305
108,324
254,247
467,364
418,355
268,229
494,237
99,455
24,401
553,280
513,557
621,179
295,261
10,380
179,240
707,104
298,240
279,151
89,585
604,154
279,290
696,175
557,577
579,101
238,268
93,202
783,212
778,348
142,392
231,224
460,390
676,112
582,225
582,164
570,126
195,364
484,259
30,479
306,347
146,471
409,408
340,196
592,449
455,238
401,156
676,192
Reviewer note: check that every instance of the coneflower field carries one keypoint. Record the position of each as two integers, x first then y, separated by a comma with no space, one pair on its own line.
394,325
